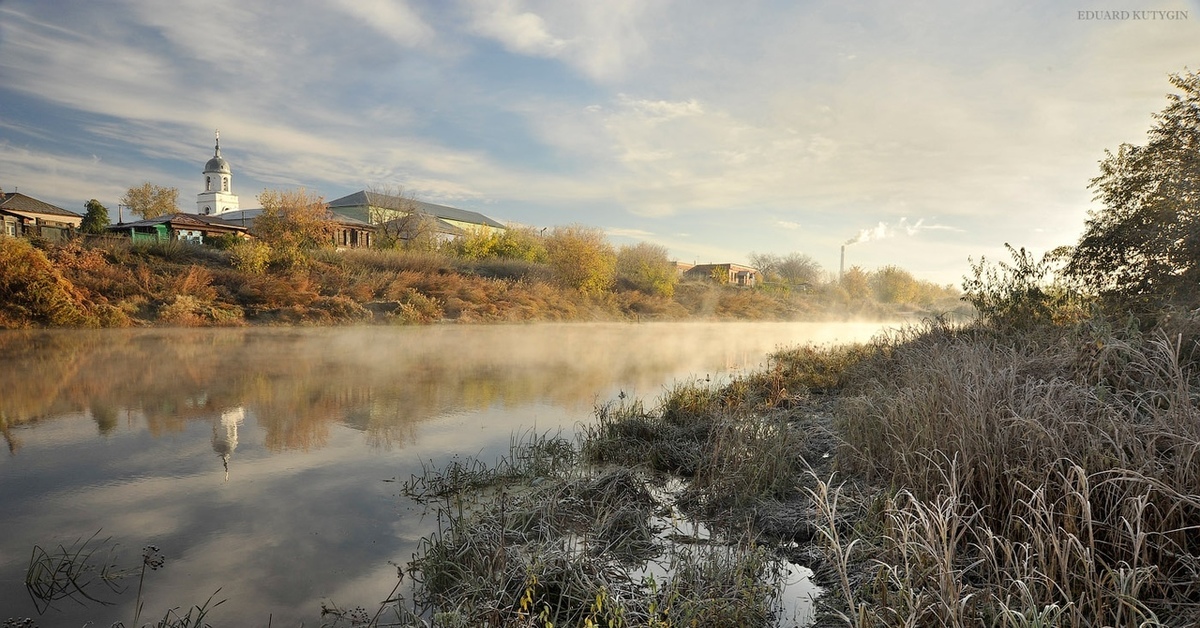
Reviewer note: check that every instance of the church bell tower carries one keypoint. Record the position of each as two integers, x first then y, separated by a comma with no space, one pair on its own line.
218,196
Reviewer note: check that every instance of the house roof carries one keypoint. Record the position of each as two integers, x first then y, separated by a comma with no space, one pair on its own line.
181,220
440,225
247,216
363,198
15,201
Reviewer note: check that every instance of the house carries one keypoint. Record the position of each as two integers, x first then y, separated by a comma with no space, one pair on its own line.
28,217
349,233
191,228
376,208
732,274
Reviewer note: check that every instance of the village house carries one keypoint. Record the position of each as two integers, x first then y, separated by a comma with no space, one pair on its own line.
732,274
191,228
25,216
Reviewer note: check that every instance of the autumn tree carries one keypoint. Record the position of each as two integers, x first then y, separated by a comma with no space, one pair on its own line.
893,284
1142,250
647,267
514,242
294,219
581,258
857,283
95,218
151,201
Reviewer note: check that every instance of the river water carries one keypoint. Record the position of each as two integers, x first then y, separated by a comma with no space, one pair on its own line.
266,463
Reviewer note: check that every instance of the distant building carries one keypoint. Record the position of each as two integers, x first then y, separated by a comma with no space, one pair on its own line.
733,274
376,208
217,197
189,228
24,216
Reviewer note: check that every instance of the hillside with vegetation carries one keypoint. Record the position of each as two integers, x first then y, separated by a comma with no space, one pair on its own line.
289,275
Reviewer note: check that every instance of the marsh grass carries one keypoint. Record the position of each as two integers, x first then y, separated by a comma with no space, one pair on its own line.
1041,477
79,571
72,572
538,539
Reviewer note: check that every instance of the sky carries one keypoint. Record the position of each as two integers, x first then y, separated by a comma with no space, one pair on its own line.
926,134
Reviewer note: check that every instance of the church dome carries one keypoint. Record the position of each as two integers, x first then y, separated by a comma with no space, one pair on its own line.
217,164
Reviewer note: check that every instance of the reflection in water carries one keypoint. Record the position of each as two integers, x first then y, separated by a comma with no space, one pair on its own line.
117,429
380,381
225,434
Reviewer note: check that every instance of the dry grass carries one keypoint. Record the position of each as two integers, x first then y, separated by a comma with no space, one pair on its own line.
1042,478
537,540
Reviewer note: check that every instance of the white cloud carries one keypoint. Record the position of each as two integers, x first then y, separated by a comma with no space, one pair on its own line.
522,32
394,19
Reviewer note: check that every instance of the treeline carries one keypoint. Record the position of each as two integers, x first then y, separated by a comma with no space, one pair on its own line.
290,273
568,273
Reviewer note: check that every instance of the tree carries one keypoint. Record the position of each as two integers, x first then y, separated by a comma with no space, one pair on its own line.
151,201
581,258
1025,293
646,267
893,284
794,269
857,283
400,221
524,243
798,269
1142,250
294,220
96,218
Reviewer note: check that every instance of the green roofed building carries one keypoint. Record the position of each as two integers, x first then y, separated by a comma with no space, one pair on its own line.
377,208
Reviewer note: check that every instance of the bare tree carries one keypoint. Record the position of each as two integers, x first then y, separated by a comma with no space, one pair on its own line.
399,221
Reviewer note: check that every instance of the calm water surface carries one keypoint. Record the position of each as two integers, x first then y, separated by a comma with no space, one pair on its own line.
263,461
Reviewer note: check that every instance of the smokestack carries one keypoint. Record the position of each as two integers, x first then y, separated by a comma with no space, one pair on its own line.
842,264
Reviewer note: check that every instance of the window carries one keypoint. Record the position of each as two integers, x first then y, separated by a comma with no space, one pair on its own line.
224,184
207,184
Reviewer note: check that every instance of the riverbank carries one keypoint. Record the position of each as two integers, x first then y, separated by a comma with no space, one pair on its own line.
939,475
115,283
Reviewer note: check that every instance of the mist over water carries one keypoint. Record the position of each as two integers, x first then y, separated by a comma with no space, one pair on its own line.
261,460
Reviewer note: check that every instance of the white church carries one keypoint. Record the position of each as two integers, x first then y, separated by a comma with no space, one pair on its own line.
355,215
218,196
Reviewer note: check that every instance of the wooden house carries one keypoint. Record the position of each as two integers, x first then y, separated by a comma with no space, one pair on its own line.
192,228
25,216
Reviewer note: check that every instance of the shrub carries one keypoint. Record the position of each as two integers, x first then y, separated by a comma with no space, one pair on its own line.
646,267
250,256
1023,294
33,292
581,258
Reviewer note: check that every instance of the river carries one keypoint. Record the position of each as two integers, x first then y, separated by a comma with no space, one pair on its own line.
266,463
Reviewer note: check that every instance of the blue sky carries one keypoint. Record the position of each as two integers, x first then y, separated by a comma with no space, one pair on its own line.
929,131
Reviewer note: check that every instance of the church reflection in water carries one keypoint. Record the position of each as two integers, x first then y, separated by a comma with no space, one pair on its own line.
225,435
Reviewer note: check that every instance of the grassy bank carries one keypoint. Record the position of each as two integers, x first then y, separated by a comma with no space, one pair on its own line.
940,475
110,282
